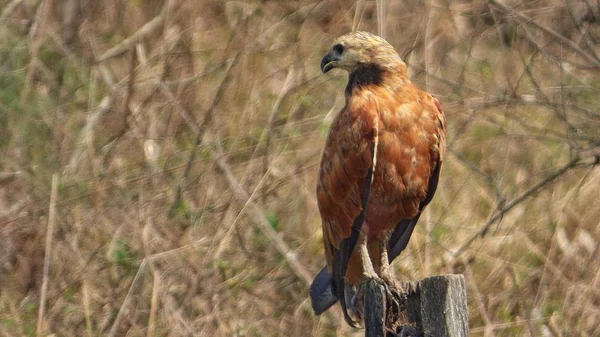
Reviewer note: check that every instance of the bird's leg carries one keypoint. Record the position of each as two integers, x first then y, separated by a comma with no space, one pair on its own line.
368,269
385,272
368,273
395,295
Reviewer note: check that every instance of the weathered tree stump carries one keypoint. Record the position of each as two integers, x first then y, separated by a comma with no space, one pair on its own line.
435,307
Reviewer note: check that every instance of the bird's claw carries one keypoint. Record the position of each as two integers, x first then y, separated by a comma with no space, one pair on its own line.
357,305
395,304
395,300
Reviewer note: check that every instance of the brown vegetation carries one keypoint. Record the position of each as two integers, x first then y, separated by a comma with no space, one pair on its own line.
185,136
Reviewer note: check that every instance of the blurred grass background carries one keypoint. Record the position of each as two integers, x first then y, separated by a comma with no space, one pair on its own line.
185,138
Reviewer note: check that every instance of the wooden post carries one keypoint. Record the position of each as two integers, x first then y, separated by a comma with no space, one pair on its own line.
374,309
435,307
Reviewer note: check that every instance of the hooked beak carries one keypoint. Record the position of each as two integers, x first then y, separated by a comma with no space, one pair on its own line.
329,61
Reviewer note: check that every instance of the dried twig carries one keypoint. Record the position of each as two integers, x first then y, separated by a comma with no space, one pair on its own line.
527,20
200,130
265,136
153,304
42,13
8,9
261,220
381,18
48,255
530,192
137,282
161,85
86,308
125,306
93,119
359,11
489,330
146,30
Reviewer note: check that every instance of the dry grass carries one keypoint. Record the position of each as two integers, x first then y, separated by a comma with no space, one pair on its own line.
186,136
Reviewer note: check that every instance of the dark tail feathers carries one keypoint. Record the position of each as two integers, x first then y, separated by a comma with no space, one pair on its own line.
321,293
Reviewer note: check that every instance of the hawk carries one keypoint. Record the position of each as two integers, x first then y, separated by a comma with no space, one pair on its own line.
379,169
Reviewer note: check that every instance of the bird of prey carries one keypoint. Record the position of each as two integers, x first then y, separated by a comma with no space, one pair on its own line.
379,169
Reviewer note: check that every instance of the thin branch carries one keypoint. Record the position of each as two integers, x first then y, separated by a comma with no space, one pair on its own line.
124,307
530,192
153,304
381,18
48,255
359,11
489,330
93,119
43,11
146,30
572,45
501,199
258,214
200,130
8,9
86,308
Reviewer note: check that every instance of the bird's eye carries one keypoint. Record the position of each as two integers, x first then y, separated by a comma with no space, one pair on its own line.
338,48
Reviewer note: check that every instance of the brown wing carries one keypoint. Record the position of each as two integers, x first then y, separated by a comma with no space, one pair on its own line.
403,230
345,164
343,190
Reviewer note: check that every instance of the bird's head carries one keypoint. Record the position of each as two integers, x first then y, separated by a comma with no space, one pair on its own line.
356,49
